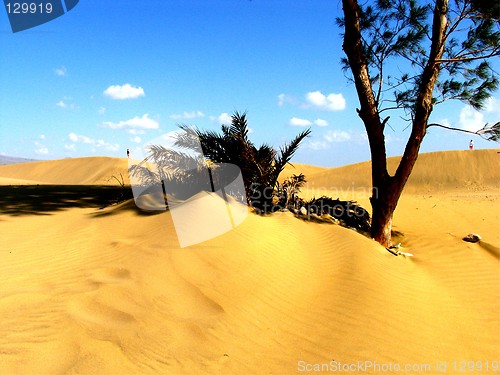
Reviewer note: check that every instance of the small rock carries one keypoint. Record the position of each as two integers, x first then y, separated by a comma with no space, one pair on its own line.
303,211
472,237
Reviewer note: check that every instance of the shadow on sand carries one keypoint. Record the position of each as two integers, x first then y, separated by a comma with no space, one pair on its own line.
47,199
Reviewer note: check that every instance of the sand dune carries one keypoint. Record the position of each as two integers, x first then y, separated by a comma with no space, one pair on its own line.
89,291
306,169
450,170
77,171
434,171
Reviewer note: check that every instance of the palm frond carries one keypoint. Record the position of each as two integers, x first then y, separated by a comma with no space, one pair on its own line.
287,151
239,126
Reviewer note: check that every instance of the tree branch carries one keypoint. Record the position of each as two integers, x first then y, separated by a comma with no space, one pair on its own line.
423,104
495,52
353,48
390,109
490,133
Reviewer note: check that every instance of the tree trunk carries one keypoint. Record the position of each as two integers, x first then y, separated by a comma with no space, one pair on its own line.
385,198
382,224
387,189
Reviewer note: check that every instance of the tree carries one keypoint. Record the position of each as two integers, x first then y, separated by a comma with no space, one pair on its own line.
442,51
185,171
292,186
185,167
260,166
288,190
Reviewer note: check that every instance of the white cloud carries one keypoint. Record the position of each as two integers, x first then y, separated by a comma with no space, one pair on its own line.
135,131
470,119
224,119
295,121
318,145
281,100
78,138
330,102
286,99
64,104
73,137
320,122
187,115
136,139
168,139
125,91
492,105
337,136
170,136
332,136
101,110
61,72
445,122
42,150
42,136
137,122
107,146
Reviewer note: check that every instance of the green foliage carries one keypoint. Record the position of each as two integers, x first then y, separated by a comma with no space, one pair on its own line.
288,190
490,132
398,31
260,166
184,171
349,213
487,8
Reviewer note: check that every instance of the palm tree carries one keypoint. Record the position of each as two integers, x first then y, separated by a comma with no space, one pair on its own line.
260,166
189,169
290,187
185,173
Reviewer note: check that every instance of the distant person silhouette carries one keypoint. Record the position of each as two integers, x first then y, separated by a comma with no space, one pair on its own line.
471,145
128,152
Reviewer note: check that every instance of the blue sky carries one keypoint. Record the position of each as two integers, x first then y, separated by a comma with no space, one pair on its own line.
112,75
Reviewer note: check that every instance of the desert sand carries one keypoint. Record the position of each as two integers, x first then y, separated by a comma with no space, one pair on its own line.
88,290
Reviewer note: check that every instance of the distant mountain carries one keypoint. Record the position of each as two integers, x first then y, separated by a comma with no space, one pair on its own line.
5,160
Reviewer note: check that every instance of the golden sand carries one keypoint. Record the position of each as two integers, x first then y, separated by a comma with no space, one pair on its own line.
88,291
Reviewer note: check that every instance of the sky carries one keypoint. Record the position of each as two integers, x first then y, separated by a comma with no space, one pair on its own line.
111,75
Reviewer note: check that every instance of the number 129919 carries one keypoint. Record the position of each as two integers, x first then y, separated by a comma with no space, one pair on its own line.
28,8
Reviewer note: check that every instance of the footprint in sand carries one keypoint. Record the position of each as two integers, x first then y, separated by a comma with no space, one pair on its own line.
99,277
